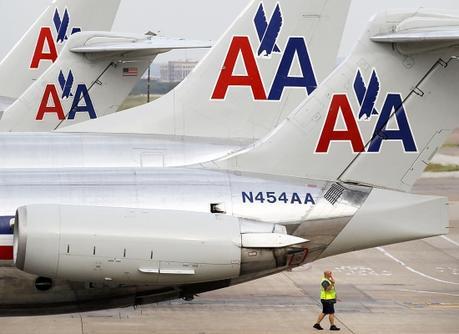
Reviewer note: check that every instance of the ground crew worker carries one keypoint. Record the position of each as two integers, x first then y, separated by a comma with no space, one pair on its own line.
328,299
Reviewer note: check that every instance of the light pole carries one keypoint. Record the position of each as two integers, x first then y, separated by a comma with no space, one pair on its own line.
150,34
148,84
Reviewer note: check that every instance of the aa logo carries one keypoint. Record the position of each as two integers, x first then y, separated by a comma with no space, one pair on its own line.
46,45
367,96
52,100
269,53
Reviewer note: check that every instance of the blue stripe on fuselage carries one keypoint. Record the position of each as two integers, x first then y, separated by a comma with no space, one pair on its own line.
5,228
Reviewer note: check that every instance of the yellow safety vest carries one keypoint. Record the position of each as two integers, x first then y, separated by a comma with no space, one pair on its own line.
327,295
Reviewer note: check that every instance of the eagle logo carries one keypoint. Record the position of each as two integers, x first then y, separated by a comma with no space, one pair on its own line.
268,33
367,95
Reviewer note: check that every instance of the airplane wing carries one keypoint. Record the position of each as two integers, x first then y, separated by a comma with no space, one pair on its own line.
423,35
150,45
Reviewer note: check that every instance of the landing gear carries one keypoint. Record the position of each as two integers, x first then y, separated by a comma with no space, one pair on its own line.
43,283
188,298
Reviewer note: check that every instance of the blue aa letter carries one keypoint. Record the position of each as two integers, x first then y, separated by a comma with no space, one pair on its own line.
404,134
295,45
82,94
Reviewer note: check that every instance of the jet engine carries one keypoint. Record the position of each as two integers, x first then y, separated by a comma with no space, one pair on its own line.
101,244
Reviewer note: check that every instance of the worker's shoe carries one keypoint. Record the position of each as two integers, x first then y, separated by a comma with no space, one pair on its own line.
318,327
334,328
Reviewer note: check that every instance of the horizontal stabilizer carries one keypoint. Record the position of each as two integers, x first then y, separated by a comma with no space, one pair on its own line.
430,35
125,44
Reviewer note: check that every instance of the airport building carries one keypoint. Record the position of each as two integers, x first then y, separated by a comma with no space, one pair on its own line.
176,71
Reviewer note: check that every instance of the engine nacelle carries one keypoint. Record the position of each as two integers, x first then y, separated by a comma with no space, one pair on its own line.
96,244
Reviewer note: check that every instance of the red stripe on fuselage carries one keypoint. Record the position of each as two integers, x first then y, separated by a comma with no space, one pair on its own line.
6,253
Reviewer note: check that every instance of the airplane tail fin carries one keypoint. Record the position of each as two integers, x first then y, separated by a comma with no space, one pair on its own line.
93,75
270,59
380,117
40,45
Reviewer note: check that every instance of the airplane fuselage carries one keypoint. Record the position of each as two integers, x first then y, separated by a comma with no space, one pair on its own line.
73,150
317,211
292,202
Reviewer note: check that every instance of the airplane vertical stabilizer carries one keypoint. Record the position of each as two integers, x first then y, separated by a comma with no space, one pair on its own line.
270,59
93,75
40,45
380,117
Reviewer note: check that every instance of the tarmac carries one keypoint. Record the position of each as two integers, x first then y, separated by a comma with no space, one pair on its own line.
405,288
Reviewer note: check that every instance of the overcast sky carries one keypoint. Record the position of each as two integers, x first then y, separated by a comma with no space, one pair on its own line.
197,19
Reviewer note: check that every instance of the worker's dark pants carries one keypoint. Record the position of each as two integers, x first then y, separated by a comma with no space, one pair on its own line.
328,306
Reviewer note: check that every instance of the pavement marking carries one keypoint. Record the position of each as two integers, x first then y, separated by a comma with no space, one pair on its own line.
361,271
403,264
450,270
303,268
429,292
450,240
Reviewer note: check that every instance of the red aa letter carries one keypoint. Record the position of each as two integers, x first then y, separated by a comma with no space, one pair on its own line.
56,107
240,45
40,54
329,134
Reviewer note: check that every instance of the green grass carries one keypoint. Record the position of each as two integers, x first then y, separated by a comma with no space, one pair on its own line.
437,168
136,100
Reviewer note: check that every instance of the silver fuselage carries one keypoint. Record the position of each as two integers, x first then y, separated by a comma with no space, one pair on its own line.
62,169
302,209
74,150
